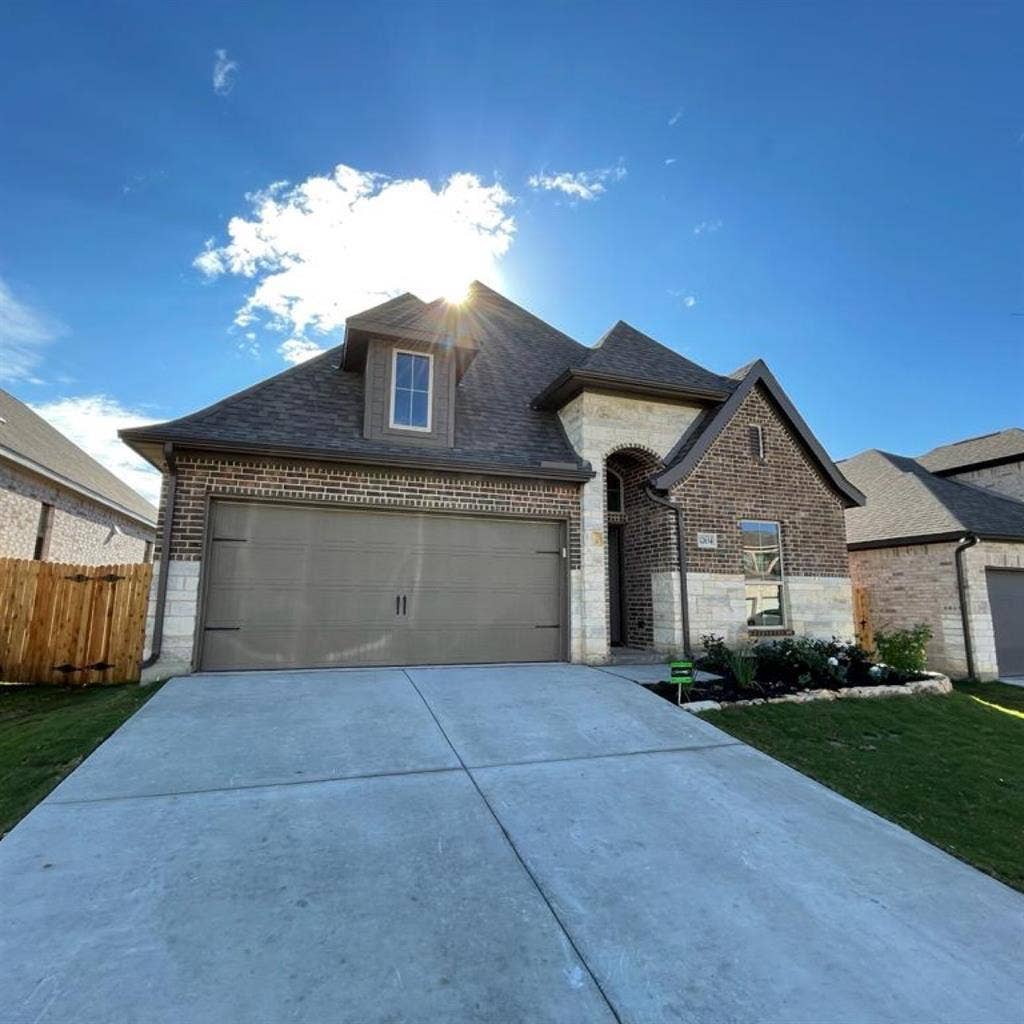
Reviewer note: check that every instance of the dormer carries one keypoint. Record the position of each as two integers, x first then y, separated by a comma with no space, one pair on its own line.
411,355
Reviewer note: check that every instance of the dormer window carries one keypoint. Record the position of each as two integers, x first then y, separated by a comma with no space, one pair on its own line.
411,381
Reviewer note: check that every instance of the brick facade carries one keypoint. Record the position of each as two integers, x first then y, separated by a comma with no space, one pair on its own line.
299,480
1007,479
648,544
917,583
81,532
730,483
201,476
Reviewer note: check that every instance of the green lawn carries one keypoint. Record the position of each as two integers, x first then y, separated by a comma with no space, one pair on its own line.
46,731
950,768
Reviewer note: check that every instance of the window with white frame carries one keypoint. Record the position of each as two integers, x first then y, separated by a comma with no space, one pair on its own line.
411,380
761,544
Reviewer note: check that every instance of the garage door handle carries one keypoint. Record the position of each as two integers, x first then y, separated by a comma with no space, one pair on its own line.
403,604
398,604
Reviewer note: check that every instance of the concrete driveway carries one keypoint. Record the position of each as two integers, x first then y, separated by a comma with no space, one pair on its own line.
498,844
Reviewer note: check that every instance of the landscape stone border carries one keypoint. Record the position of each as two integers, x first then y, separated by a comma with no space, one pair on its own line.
935,685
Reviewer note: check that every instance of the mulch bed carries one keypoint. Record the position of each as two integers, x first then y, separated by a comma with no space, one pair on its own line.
726,690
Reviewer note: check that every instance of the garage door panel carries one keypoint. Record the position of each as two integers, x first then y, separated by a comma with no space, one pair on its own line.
1006,601
306,648
326,606
292,587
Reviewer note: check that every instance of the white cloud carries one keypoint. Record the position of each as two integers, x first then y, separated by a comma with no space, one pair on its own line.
689,301
707,227
675,118
669,160
338,244
92,422
585,185
24,334
224,71
298,350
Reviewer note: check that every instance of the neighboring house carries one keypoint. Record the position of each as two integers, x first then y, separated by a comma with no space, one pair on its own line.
941,541
58,504
468,484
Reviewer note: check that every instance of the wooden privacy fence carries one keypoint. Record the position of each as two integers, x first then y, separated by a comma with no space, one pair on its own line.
71,624
862,619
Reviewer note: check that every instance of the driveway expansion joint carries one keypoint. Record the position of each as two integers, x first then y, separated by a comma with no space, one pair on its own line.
600,757
255,785
519,857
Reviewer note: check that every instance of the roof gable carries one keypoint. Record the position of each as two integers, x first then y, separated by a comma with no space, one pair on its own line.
704,430
627,352
26,438
988,449
907,502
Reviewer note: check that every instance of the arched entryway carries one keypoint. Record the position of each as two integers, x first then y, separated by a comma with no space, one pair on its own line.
641,552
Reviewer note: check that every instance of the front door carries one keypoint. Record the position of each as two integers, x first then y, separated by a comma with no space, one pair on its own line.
615,584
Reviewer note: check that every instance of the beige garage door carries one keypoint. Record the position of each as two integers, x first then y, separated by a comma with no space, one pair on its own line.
304,587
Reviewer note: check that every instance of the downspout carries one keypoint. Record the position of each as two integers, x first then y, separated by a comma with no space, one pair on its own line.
969,541
684,606
165,550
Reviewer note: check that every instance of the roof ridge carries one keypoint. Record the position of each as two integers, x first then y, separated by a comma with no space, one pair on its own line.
489,291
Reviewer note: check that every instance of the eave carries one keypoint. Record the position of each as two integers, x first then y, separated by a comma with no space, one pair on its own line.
149,446
570,383
67,483
930,538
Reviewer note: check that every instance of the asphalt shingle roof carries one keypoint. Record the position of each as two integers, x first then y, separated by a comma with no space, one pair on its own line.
1003,444
630,353
27,436
904,500
317,406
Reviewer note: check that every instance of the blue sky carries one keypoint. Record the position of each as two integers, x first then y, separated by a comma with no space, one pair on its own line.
834,188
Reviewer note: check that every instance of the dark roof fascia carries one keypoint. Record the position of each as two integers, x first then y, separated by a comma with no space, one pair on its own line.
567,385
930,538
363,458
66,482
759,374
1003,460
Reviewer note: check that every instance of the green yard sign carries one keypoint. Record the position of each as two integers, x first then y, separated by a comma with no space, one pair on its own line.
681,673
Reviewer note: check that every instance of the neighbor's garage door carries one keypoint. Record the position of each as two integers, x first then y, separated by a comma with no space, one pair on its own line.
301,587
1006,599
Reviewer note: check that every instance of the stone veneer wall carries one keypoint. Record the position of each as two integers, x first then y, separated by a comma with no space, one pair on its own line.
1007,479
201,476
598,425
81,531
731,483
987,555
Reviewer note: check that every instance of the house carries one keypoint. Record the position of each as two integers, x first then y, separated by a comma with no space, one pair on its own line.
941,541
468,484
58,504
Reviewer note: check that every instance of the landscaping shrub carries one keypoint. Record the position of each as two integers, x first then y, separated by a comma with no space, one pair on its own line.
904,649
716,654
794,663
742,666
